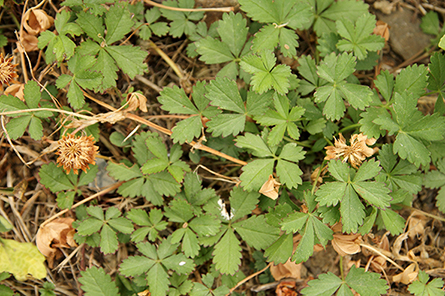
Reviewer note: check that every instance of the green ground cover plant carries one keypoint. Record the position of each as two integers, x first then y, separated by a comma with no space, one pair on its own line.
271,116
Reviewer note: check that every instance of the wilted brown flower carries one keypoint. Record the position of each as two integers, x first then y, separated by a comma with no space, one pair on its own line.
76,153
356,153
7,71
36,21
27,42
270,188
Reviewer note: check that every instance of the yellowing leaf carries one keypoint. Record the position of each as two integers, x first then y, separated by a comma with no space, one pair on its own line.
21,259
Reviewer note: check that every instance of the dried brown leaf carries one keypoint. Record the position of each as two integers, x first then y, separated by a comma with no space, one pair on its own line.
408,275
286,288
36,21
56,234
286,270
347,244
270,188
16,90
136,100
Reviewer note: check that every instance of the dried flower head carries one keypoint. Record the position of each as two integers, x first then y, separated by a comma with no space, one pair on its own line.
37,21
7,71
356,153
76,153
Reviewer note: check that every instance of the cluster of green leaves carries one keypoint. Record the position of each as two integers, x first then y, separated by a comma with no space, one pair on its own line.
66,186
156,172
24,119
280,111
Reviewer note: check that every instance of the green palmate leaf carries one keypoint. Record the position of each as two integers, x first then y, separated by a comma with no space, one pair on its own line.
326,14
92,25
96,282
181,20
256,232
364,283
242,203
21,259
347,189
121,172
308,70
118,22
129,58
266,75
412,80
335,69
227,254
421,287
436,80
281,250
282,118
256,173
282,14
398,174
256,143
359,37
412,129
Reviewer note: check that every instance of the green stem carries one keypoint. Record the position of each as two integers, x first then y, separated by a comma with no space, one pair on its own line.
304,143
318,175
350,127
342,272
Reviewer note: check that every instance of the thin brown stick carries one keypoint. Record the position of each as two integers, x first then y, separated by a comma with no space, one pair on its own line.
221,9
168,60
248,278
168,132
106,190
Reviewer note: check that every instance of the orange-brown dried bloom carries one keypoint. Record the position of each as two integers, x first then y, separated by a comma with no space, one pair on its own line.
76,153
356,153
7,71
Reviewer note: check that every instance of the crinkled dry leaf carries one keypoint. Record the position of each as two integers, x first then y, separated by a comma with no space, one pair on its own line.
382,29
408,275
56,234
16,90
356,153
270,188
286,288
416,225
347,244
27,42
36,21
286,270
136,100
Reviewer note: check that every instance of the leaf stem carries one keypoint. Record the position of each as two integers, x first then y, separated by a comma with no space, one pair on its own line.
248,278
106,190
221,9
168,132
306,144
342,272
350,127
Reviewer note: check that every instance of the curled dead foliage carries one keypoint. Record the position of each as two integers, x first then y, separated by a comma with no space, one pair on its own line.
54,235
356,153
347,244
286,288
36,21
270,188
286,270
16,90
